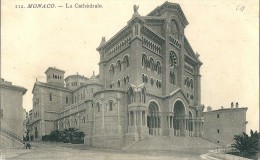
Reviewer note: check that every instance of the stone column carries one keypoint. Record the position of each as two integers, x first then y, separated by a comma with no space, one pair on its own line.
145,119
129,118
141,118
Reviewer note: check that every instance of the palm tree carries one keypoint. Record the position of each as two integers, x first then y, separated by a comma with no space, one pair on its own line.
247,146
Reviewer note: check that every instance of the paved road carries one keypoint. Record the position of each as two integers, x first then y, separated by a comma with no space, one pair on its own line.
53,151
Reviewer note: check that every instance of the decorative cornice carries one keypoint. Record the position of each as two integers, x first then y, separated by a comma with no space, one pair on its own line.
51,86
175,92
13,87
76,76
109,90
152,35
153,20
167,5
112,41
190,51
53,68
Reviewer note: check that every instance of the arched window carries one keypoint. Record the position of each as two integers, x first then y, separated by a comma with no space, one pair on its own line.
174,29
118,64
67,99
144,61
186,81
98,107
118,83
152,81
75,121
143,77
124,80
172,77
151,64
191,84
173,59
143,95
127,79
126,61
84,119
50,97
110,106
112,69
158,67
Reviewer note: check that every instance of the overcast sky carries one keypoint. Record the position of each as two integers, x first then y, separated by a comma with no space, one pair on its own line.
224,33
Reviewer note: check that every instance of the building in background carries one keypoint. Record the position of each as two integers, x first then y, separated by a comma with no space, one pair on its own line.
148,84
12,114
221,125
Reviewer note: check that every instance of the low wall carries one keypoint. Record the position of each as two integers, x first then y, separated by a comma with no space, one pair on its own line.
221,155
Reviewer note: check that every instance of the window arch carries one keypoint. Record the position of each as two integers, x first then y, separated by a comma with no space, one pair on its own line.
152,64
144,61
172,77
152,81
158,67
112,69
175,29
84,119
126,61
75,121
110,103
98,107
124,80
191,83
50,96
118,64
67,99
173,59
186,81
118,83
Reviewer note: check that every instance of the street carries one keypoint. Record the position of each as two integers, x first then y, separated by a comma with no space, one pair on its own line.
57,151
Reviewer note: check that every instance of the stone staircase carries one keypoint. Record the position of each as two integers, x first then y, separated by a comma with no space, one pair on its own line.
9,139
164,143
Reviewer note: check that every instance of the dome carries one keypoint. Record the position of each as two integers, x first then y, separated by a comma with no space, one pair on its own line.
93,79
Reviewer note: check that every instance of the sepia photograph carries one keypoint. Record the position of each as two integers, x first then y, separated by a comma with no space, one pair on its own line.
129,80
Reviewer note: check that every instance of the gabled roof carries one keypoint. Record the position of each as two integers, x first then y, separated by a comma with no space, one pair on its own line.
190,51
175,92
53,68
13,87
168,5
51,86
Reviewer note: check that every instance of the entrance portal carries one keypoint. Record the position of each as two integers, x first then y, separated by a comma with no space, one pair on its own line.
153,119
179,120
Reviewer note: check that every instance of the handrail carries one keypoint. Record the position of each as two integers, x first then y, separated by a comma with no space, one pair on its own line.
11,134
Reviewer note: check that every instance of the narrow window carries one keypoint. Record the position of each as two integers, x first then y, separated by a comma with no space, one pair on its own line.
67,99
110,105
218,130
50,97
217,115
98,106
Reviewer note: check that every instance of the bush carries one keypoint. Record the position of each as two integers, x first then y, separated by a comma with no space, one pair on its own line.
70,135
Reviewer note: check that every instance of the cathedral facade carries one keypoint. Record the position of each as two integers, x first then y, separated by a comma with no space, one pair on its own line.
148,84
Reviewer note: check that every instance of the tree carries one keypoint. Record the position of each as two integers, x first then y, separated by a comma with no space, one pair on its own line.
247,146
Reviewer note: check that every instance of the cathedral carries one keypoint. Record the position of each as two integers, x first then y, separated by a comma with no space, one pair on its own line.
148,85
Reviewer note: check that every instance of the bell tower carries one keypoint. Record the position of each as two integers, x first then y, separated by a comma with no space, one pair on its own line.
55,76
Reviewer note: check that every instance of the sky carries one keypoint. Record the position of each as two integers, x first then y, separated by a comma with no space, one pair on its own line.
224,33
